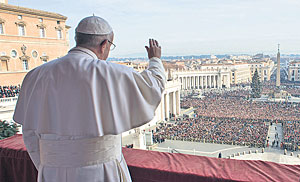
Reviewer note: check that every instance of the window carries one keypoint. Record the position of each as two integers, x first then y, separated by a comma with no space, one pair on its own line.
59,34
58,22
4,66
21,30
41,20
14,53
1,28
44,58
42,32
20,17
25,64
34,54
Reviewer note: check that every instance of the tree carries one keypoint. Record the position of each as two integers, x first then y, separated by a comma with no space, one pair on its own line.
7,129
256,85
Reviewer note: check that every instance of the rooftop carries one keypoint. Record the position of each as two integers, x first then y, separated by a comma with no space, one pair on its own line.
30,11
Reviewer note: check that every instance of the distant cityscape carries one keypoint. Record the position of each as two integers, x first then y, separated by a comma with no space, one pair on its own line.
189,57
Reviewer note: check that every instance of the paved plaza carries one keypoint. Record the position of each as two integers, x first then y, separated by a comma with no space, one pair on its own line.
275,129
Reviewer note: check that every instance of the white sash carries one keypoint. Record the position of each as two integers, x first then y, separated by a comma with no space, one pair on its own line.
82,152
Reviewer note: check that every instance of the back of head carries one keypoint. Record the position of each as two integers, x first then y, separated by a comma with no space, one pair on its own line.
94,25
92,30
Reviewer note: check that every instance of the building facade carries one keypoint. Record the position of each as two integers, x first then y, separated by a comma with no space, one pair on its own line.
294,71
264,68
29,38
239,72
203,78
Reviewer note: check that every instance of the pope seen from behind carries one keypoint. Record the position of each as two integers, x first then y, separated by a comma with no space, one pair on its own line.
73,109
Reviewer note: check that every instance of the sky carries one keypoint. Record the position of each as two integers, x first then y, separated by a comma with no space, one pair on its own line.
188,27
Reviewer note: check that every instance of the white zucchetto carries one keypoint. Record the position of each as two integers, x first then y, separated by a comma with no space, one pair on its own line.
93,25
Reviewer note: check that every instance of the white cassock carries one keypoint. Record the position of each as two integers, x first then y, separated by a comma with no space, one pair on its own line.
73,110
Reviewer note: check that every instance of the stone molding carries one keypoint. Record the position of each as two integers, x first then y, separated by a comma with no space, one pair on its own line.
18,9
2,20
21,23
4,58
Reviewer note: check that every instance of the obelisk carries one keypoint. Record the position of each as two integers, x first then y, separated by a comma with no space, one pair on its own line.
278,68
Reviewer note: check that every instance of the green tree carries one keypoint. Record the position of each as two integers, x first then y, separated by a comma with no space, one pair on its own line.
256,85
7,129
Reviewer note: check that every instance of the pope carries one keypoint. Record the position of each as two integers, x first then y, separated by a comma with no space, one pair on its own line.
74,109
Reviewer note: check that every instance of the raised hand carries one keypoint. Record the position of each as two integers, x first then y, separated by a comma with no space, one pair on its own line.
154,50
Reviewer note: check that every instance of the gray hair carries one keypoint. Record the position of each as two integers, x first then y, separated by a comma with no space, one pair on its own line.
90,40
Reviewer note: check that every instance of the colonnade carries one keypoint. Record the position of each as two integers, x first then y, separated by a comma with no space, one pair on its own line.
200,82
170,104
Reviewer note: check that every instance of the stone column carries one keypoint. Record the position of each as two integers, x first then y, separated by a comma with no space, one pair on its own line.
181,82
171,102
208,81
201,82
178,102
167,108
220,81
215,81
227,81
187,82
174,103
163,107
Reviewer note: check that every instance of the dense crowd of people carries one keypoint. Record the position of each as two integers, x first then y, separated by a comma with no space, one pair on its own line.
9,91
232,118
215,130
218,105
268,87
291,132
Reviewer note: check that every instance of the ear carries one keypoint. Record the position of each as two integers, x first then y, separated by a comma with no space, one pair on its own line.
103,46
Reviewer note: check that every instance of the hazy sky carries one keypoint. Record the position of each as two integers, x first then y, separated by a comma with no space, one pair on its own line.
188,27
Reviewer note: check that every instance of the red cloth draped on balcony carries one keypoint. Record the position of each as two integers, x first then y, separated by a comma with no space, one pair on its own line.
15,163
151,166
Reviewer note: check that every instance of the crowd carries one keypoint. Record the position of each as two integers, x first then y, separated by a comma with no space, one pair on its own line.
9,91
292,88
291,132
233,105
215,130
232,118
